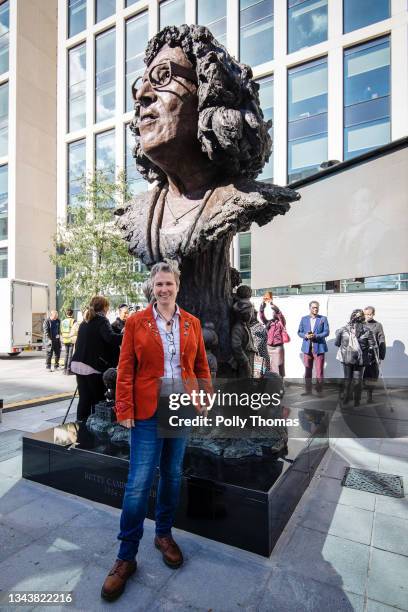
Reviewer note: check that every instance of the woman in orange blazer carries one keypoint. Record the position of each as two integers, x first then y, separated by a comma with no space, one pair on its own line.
162,341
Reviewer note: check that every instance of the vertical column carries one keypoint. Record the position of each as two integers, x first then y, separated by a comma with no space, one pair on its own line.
90,98
233,27
191,12
280,93
62,110
399,81
335,81
120,94
12,138
153,17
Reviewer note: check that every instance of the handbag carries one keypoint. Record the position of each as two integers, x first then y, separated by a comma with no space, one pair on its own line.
285,336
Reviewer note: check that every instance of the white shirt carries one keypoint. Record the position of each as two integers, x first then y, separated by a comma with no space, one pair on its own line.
171,342
312,323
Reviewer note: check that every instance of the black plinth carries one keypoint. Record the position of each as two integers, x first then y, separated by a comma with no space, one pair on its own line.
245,502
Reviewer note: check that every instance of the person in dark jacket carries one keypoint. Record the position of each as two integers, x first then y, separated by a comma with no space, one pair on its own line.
242,344
372,370
52,339
355,341
275,323
119,324
94,353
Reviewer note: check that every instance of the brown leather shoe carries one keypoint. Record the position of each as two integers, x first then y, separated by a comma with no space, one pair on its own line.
171,553
115,581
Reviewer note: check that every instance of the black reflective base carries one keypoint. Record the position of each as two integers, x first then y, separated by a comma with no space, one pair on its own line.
244,502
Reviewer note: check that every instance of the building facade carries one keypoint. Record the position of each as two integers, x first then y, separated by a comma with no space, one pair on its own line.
333,77
28,137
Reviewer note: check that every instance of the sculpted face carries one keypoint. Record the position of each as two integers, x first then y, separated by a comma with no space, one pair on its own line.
168,115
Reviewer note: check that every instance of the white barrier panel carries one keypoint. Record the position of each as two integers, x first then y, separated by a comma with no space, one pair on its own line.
391,310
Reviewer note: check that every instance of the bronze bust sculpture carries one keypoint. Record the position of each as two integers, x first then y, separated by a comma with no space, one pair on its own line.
201,139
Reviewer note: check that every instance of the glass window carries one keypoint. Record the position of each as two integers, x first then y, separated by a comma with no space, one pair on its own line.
4,109
105,75
137,34
172,12
130,2
307,23
76,171
367,78
105,153
307,119
266,100
3,202
244,241
104,9
4,36
76,16
135,182
213,15
3,263
360,13
256,31
77,88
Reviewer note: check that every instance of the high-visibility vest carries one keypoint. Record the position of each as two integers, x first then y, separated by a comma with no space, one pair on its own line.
66,329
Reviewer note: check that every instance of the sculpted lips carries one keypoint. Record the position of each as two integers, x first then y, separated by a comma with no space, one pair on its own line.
147,117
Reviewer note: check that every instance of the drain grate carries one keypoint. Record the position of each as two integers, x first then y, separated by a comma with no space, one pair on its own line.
373,482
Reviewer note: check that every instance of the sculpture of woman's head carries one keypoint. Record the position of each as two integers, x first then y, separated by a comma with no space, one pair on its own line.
194,92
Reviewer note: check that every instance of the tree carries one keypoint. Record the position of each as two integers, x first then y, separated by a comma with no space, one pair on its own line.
90,254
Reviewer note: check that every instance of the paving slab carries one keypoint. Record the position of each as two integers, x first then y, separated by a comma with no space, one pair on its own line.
217,582
387,581
393,465
330,489
343,521
393,506
15,494
292,592
312,554
391,533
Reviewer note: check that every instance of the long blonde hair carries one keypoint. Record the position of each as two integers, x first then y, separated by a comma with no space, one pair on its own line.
98,304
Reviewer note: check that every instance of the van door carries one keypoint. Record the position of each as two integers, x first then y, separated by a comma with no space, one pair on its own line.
21,318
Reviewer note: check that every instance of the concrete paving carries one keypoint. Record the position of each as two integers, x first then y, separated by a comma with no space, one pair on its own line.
24,377
342,549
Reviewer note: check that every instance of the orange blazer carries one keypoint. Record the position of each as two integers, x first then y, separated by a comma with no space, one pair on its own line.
141,362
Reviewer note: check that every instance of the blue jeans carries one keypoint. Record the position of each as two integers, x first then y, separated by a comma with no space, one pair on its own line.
147,451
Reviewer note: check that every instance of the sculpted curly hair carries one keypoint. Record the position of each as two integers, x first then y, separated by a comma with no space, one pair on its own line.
231,126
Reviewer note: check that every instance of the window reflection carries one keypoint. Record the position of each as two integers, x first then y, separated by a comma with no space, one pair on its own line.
105,154
76,171
172,12
76,16
266,101
104,9
4,111
3,263
307,119
366,97
3,202
307,23
4,36
361,13
77,88
105,75
137,33
244,241
256,31
213,15
135,182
